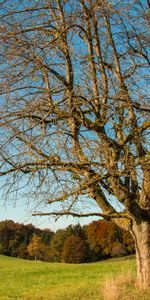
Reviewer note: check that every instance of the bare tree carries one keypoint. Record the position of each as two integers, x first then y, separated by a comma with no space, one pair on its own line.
74,111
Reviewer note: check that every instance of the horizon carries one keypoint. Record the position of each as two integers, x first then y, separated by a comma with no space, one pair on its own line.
20,214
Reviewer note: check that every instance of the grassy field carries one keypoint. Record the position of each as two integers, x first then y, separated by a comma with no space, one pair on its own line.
29,280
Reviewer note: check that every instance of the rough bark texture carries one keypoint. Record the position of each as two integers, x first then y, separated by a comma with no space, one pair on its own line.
141,233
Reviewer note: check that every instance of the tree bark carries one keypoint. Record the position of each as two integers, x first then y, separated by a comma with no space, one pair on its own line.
141,234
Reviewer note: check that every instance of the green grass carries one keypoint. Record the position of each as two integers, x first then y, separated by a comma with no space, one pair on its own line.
29,280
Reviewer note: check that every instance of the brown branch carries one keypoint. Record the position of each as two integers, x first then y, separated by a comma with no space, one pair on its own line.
78,215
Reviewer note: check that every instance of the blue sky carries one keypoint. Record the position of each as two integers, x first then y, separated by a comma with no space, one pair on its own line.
21,214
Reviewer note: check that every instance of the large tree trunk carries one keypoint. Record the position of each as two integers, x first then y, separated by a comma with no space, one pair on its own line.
141,233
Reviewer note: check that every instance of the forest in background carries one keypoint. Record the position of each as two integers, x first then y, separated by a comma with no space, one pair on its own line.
75,244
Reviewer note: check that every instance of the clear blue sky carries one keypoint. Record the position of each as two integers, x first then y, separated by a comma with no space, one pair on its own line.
21,214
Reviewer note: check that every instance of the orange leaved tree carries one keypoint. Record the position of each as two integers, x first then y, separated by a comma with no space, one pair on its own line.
36,248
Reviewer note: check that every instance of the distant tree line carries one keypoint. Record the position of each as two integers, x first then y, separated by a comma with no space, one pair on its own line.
75,244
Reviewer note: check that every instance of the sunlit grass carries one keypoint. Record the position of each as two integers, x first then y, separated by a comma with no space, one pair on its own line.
29,280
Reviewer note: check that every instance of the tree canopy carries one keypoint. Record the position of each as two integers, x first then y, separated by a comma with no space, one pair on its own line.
74,244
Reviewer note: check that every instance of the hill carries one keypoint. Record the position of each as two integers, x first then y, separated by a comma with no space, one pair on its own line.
29,280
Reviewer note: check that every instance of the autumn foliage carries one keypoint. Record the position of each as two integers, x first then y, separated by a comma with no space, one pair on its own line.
36,248
75,244
15,238
104,235
74,250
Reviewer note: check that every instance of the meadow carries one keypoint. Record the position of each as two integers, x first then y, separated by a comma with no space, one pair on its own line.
30,280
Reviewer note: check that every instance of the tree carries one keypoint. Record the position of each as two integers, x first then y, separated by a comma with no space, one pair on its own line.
36,248
56,245
15,238
12,235
23,251
6,233
103,235
74,111
76,230
74,250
